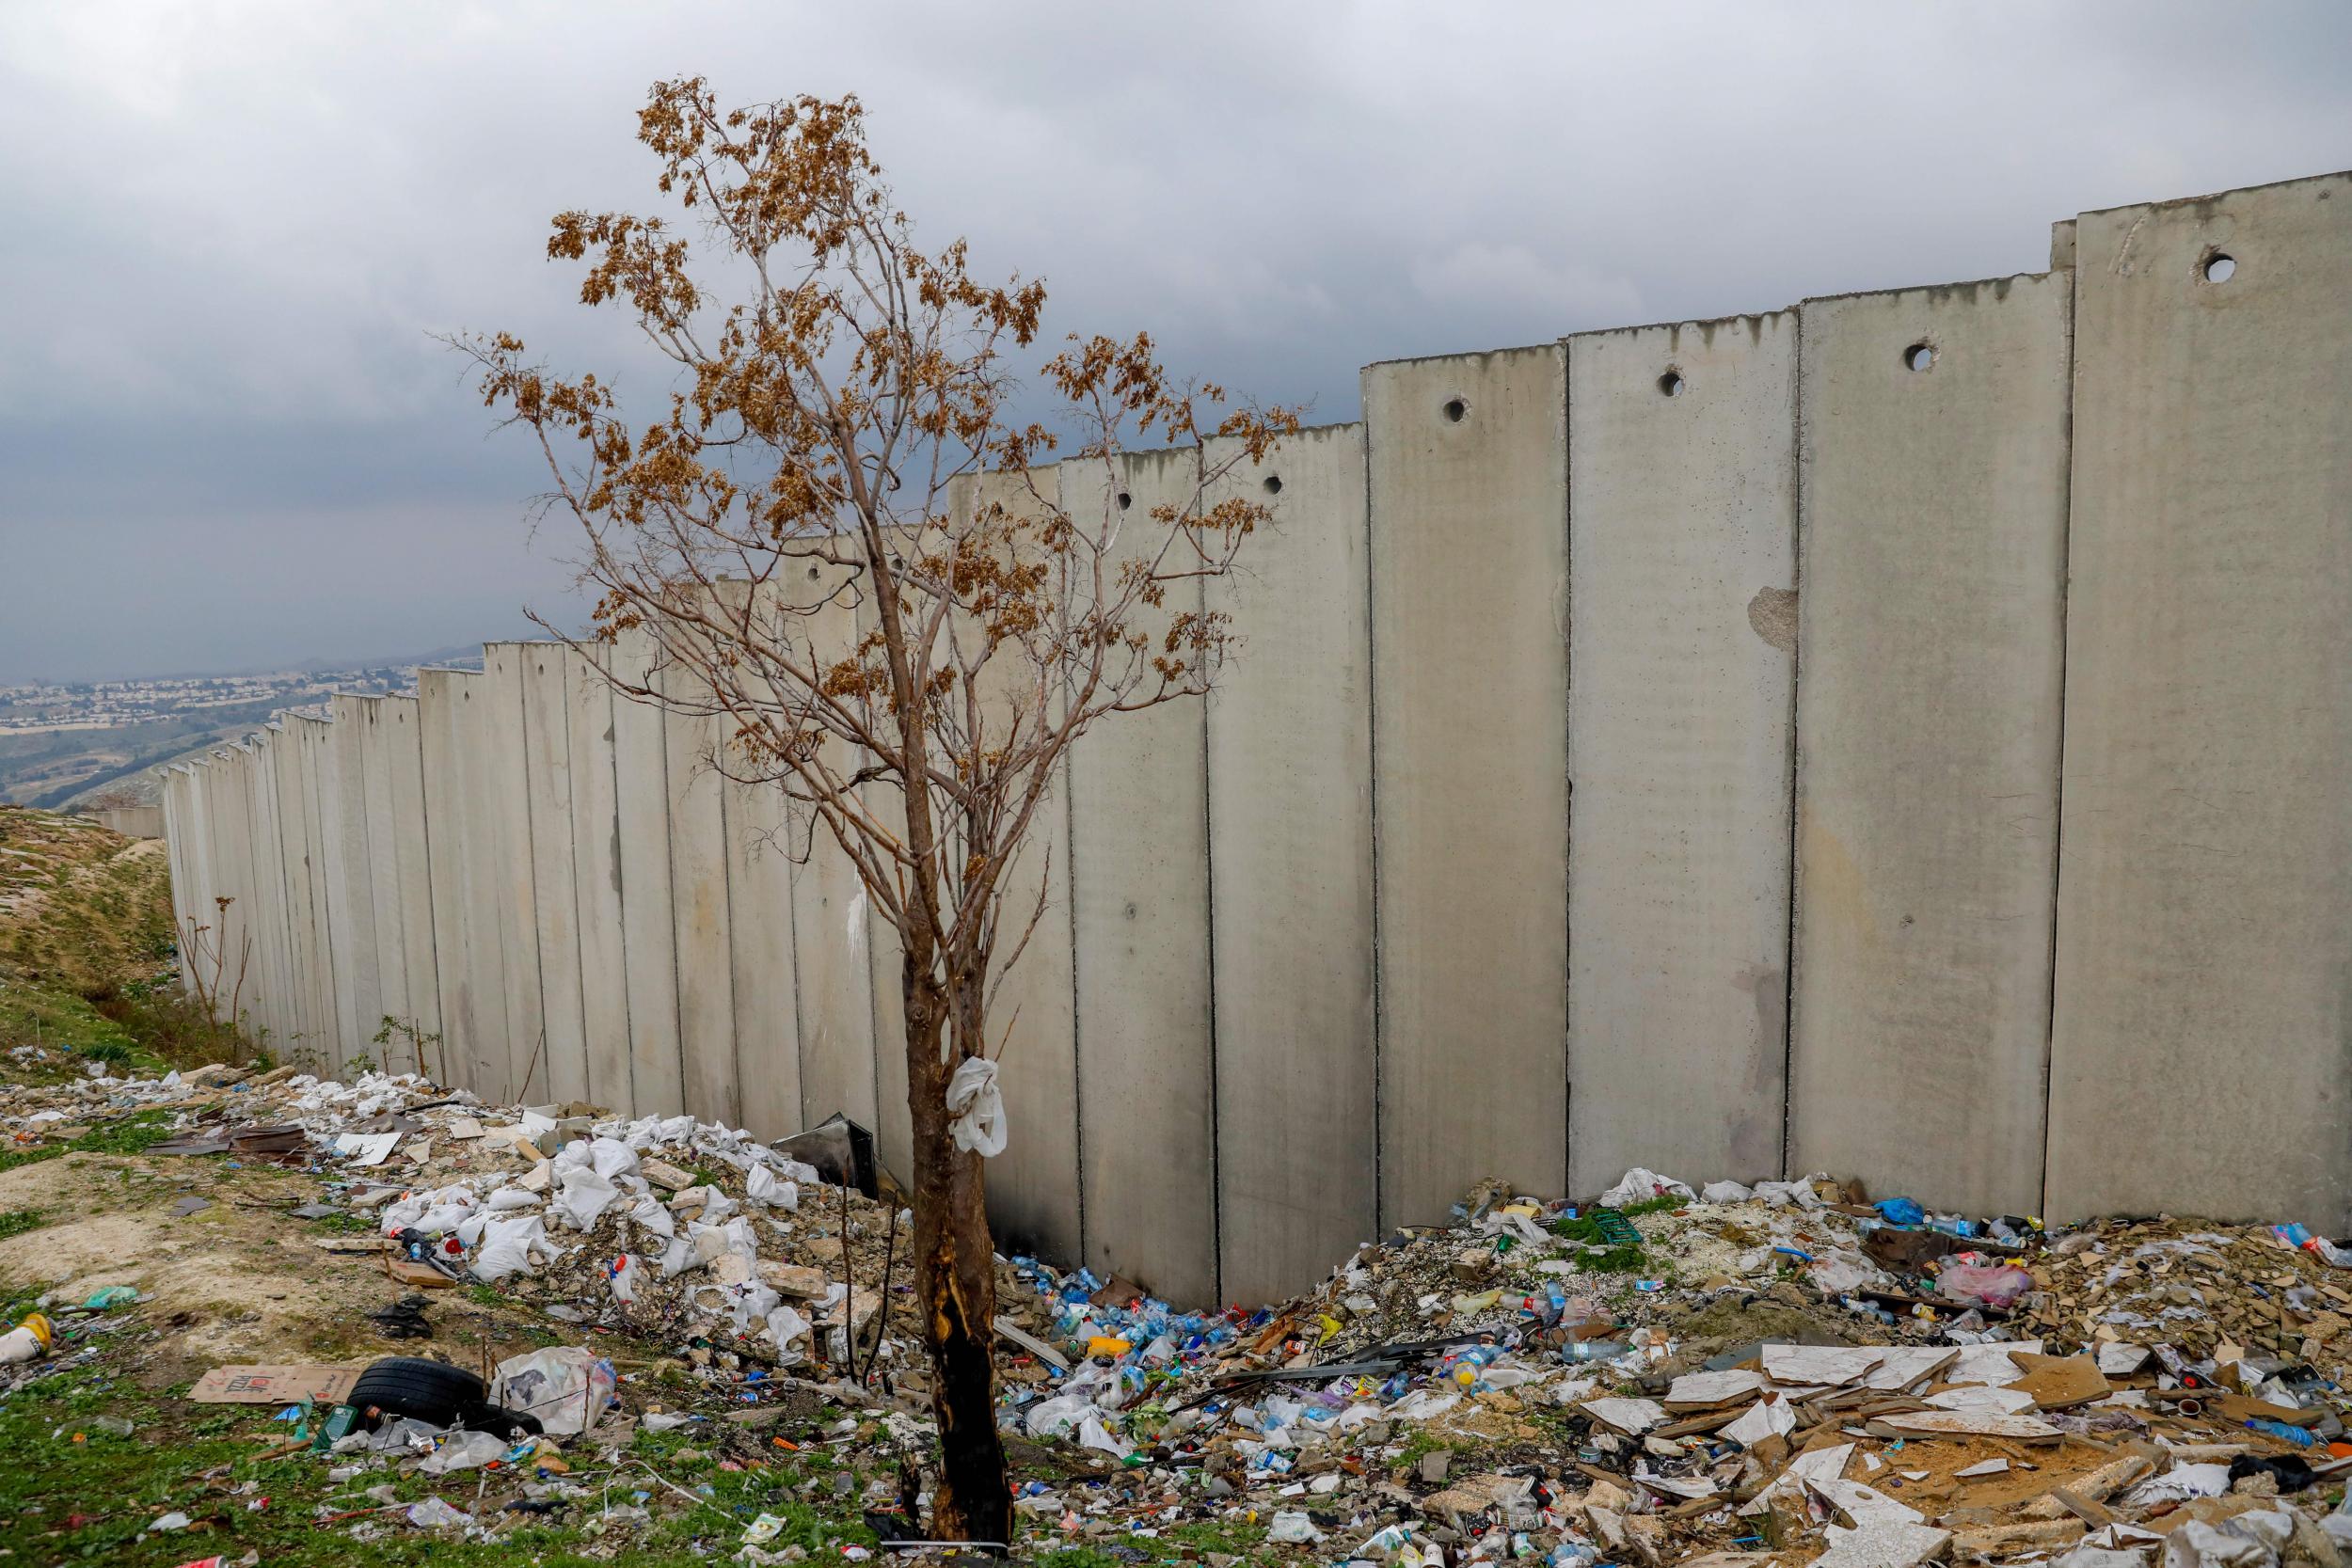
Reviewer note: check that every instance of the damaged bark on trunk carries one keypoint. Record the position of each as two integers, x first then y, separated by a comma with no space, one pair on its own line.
955,1264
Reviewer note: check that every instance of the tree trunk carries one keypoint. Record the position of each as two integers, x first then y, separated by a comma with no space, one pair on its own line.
954,1268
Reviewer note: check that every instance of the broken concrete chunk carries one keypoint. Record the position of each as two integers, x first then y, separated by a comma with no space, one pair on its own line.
663,1173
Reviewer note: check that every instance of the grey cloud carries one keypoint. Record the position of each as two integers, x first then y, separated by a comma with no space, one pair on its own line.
231,228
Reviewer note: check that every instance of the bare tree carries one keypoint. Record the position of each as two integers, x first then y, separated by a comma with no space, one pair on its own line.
837,388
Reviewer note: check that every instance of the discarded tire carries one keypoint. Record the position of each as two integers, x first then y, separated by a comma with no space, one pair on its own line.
432,1391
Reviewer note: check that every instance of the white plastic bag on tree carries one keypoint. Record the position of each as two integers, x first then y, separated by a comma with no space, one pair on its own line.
976,1108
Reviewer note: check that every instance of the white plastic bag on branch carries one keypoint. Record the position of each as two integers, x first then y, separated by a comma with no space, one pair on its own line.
976,1108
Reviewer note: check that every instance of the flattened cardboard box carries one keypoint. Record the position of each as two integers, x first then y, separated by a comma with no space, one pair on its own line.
275,1384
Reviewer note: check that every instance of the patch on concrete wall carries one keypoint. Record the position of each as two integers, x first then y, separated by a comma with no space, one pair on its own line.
1774,614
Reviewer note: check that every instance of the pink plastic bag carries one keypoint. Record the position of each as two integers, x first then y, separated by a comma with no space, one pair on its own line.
1984,1284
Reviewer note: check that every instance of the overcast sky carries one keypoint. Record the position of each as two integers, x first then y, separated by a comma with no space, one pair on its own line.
227,230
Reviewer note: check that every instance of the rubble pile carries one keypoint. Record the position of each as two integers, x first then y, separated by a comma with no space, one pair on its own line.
1783,1373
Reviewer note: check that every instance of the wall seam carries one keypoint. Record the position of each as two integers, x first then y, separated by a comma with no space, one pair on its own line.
1372,787
1568,768
1208,885
1792,751
2057,789
542,1058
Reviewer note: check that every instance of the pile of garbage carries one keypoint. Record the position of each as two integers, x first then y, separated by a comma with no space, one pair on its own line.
1735,1375
1784,1372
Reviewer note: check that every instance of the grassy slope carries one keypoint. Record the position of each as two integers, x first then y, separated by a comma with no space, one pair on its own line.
86,956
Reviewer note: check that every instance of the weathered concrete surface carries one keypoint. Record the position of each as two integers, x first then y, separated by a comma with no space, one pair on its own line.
1033,1185
830,937
351,862
894,1121
403,738
759,926
555,900
349,951
331,1018
472,970
1290,823
1929,724
1469,771
1139,897
285,754
506,790
2203,1052
698,895
642,802
596,880
264,895
375,787
1682,537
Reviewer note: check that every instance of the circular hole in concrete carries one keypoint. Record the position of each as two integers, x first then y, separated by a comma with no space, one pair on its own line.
1455,409
1671,384
1919,357
1125,500
1273,486
2220,267
812,574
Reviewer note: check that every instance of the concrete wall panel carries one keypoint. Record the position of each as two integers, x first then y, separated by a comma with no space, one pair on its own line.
285,755
376,776
1928,723
321,828
400,731
351,862
513,885
1139,897
831,935
1033,1185
642,784
555,898
698,888
2201,1059
596,880
759,928
1469,498
263,1021
1289,824
1683,538
465,866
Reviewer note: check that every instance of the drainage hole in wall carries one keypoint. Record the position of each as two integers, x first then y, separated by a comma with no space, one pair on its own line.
1455,409
1671,384
2220,268
1273,484
1125,500
1919,357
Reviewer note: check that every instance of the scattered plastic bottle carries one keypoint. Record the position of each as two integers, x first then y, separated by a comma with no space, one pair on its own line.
2294,1435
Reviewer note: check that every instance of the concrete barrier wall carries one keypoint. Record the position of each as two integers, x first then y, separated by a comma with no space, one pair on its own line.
1926,806
1650,748
2203,1047
1683,538
1467,482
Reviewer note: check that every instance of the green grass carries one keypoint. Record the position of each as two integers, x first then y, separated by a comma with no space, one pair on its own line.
130,1134
67,1501
16,1222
